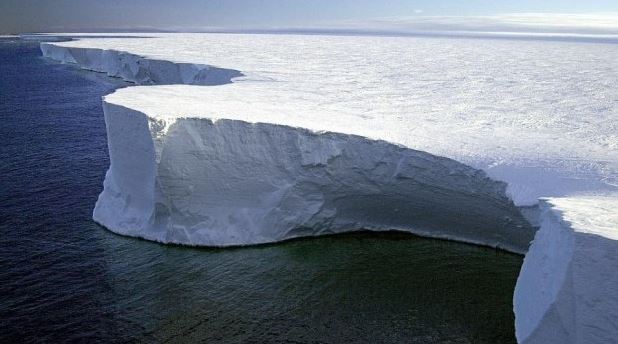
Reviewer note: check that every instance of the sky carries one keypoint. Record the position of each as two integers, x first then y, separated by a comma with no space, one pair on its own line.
21,16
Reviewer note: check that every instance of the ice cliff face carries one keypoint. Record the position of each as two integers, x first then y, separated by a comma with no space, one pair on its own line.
539,115
138,69
565,292
230,179
228,182
310,142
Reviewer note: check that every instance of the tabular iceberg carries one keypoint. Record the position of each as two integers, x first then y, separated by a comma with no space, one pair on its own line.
297,141
217,182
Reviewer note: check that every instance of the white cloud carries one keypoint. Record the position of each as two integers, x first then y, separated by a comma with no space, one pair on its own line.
593,23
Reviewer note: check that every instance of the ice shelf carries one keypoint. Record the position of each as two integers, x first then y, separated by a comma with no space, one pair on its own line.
565,292
309,135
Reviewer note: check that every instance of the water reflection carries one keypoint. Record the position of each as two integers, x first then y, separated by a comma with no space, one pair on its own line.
368,287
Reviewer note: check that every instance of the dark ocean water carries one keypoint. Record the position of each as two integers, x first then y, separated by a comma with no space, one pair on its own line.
65,279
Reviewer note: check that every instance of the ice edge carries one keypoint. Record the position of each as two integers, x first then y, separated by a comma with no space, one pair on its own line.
138,69
147,71
538,315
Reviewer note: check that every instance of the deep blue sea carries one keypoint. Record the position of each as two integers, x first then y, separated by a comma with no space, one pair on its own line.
65,279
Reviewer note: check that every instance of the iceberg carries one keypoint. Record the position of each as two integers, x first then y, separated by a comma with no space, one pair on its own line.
546,134
480,143
137,69
237,180
565,291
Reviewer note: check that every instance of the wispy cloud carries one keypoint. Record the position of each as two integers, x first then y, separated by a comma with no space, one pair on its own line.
593,23
594,27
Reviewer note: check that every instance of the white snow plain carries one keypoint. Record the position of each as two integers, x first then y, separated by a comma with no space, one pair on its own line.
323,134
539,115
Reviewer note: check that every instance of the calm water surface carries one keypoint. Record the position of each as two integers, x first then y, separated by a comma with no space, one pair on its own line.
65,279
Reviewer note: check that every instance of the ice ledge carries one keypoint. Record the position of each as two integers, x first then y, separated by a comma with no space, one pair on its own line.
199,181
565,291
143,208
138,69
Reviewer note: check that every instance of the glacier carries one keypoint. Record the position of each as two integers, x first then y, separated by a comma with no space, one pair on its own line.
436,136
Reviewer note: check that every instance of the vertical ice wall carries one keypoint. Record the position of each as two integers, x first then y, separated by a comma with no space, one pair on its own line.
138,69
162,178
565,292
228,182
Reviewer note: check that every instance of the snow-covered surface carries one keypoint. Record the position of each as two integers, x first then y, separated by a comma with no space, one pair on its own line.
540,115
137,69
325,134
225,181
565,292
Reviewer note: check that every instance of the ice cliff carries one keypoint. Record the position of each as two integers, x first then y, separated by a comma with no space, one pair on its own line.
138,69
217,182
194,177
565,291
308,142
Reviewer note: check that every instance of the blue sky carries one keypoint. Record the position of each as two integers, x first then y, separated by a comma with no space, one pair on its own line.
75,15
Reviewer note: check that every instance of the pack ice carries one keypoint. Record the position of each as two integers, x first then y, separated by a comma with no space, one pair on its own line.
309,135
